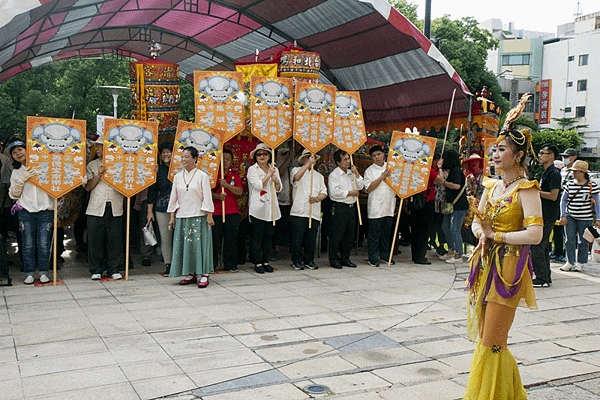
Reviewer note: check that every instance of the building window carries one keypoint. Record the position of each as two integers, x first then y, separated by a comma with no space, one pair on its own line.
569,84
515,59
583,59
582,85
580,111
571,58
567,109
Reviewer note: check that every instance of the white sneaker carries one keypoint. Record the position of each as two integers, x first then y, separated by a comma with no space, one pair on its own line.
44,279
117,276
454,260
446,256
578,267
567,267
29,280
96,277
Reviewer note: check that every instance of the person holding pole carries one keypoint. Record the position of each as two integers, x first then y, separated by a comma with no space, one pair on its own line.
263,182
191,209
225,232
158,200
104,221
343,194
35,209
309,191
380,208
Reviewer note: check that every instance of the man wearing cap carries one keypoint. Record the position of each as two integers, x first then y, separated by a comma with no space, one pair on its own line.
550,187
568,158
343,194
308,189
380,208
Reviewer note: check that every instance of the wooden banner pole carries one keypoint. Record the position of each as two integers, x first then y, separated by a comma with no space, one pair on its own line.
273,183
309,196
357,197
395,233
222,188
448,123
55,234
127,239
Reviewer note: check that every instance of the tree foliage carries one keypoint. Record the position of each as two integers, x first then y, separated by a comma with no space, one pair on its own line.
563,139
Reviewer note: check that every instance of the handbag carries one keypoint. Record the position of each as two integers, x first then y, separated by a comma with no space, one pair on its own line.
417,201
149,235
448,208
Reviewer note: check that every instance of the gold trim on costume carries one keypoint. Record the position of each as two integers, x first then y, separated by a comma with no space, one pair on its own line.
533,220
498,237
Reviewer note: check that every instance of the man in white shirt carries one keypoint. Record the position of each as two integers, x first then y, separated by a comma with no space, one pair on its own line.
380,207
307,190
343,193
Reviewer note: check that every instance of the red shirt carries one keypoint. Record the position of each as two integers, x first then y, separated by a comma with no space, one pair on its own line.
433,174
231,206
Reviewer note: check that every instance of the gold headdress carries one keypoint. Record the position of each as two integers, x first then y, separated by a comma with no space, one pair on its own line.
509,130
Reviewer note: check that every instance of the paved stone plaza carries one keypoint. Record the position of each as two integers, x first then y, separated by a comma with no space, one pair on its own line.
366,333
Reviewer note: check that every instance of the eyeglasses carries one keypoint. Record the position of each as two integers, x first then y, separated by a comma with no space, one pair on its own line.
541,153
262,154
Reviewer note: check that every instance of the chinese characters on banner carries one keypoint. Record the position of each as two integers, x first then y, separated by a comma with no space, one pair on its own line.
129,154
56,153
219,101
545,97
314,115
488,151
209,143
272,109
409,161
349,132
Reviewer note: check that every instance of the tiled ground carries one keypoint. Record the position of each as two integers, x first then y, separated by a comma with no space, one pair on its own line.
367,333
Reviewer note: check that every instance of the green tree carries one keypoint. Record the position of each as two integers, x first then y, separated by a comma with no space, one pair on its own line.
409,10
563,139
186,101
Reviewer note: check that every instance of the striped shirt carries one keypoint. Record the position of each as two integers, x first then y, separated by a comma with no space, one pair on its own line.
577,200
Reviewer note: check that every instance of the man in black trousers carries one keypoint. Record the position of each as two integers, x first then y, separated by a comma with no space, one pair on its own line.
343,194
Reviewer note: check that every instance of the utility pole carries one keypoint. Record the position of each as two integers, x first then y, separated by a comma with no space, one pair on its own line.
427,22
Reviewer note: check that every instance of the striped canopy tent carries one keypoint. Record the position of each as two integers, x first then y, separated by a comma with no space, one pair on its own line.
364,45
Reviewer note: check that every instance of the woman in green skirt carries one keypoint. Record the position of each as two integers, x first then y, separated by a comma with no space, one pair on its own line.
191,209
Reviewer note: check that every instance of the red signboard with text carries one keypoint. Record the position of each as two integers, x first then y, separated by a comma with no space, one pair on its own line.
545,94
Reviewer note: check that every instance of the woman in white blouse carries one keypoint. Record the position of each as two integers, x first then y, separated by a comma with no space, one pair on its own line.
191,209
263,177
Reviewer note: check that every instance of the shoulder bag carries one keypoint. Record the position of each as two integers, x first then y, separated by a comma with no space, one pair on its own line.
448,208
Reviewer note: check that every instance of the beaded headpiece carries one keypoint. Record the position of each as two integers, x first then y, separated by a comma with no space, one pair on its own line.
524,139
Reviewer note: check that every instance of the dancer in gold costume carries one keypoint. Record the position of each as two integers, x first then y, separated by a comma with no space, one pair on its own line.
509,220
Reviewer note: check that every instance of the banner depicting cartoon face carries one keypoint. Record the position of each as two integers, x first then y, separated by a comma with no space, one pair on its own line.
409,161
209,143
219,99
489,144
314,115
129,154
56,153
349,129
272,109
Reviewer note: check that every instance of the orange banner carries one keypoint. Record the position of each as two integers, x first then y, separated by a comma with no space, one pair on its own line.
349,132
314,115
209,143
272,112
129,154
488,152
409,161
219,100
56,153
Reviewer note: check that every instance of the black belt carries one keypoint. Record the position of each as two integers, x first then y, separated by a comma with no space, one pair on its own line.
338,204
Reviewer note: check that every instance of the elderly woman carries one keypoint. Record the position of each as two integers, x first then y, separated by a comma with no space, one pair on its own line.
263,178
191,209
35,215
158,200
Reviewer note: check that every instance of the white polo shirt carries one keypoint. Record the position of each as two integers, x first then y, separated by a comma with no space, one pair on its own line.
301,193
382,200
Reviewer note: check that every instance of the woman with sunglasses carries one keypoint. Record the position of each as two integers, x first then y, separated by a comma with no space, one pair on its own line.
263,178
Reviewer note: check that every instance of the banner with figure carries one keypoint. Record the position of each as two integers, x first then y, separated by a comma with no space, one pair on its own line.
349,129
488,152
219,100
209,143
314,110
56,153
272,109
409,161
130,154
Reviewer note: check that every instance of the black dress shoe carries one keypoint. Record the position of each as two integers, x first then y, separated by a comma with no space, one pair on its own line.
336,266
268,268
422,262
349,264
259,269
